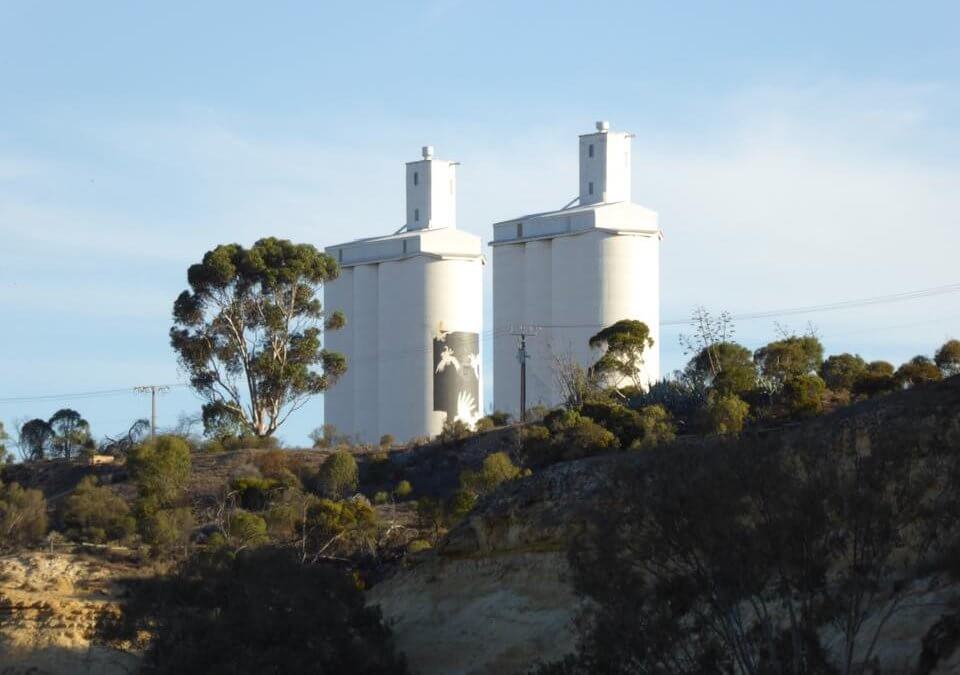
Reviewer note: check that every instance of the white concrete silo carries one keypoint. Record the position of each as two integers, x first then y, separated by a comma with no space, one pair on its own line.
414,307
564,275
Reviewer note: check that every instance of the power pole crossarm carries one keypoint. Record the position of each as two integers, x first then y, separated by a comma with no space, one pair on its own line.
153,390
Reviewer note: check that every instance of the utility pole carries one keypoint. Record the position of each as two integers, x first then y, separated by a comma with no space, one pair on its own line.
522,332
153,390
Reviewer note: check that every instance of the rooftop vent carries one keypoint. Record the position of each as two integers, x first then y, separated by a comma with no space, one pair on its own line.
428,152
603,126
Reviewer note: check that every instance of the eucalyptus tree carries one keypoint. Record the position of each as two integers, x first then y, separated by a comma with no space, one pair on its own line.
70,432
623,345
249,332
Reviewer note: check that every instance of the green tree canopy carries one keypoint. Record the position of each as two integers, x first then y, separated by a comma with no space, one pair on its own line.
918,370
727,367
792,356
70,432
947,358
841,371
623,343
34,439
877,378
249,331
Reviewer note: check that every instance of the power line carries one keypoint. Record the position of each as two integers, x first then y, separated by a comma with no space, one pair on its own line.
79,395
808,309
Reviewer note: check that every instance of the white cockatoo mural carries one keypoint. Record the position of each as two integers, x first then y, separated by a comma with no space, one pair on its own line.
456,375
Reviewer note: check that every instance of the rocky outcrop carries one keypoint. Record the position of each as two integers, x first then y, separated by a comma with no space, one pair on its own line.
50,606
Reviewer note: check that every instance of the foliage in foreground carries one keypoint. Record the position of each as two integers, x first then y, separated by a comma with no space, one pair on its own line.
729,558
260,611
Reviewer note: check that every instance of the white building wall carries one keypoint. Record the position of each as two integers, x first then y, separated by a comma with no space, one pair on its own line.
509,302
571,286
395,309
401,351
362,358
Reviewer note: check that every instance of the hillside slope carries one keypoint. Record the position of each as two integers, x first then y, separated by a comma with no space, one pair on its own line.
496,596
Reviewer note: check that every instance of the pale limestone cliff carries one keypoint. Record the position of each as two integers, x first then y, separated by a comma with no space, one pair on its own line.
49,609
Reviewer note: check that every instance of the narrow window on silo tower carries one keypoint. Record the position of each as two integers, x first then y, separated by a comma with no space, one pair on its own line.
416,178
519,230
404,245
590,187
590,150
416,215
339,255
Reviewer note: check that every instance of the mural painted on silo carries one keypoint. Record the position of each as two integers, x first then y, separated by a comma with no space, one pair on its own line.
456,376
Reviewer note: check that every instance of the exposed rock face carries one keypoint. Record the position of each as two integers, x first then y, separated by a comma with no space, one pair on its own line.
49,609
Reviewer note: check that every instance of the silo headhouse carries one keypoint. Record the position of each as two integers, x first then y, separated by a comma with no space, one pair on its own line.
563,275
413,304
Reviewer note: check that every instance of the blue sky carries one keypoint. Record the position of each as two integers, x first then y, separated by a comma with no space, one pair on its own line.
796,156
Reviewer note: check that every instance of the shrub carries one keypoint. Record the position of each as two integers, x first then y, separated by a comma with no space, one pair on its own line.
96,513
418,545
841,371
947,358
381,497
454,431
166,529
338,475
161,469
261,611
386,441
247,530
254,493
877,378
803,395
656,427
682,397
403,490
460,504
483,425
726,413
565,435
23,515
496,469
340,526
622,422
